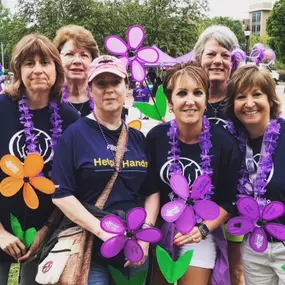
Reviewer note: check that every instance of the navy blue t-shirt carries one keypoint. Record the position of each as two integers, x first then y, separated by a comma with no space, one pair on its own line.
83,165
225,163
276,179
215,113
12,141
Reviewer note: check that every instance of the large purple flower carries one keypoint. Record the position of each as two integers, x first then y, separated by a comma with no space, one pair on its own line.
255,220
128,235
131,53
182,211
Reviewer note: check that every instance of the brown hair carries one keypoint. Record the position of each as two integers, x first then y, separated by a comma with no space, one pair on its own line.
192,70
30,46
246,77
81,38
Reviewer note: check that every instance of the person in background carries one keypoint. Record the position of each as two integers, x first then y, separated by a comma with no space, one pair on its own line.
158,82
32,119
78,49
213,52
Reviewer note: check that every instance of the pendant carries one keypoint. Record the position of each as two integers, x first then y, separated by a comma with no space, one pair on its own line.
118,169
79,113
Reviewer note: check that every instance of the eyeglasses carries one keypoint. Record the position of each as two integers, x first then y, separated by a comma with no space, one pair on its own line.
84,56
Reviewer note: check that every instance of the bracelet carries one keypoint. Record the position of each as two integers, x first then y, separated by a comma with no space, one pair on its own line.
147,225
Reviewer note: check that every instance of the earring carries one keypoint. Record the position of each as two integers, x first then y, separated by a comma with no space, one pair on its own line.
170,110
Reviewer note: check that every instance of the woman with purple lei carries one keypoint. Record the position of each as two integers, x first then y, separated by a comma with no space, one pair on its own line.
32,119
254,108
190,149
78,49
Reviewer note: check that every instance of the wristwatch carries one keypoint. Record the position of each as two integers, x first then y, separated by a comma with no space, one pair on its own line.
204,230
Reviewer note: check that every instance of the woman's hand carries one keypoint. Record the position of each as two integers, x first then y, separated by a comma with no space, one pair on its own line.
194,236
145,248
11,245
36,245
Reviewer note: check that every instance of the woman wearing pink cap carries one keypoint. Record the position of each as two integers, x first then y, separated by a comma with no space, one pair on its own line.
87,158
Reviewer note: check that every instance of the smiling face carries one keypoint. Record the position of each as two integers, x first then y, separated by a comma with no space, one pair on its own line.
109,91
216,61
252,108
188,100
38,74
76,62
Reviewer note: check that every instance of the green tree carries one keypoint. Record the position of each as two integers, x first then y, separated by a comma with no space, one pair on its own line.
276,28
170,24
234,25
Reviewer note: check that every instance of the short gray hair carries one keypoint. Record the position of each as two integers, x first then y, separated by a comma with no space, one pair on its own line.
222,34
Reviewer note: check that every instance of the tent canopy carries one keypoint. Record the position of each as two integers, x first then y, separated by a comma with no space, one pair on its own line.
164,59
185,58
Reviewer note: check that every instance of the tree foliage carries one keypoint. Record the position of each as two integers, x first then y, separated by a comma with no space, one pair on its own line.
276,28
234,25
172,25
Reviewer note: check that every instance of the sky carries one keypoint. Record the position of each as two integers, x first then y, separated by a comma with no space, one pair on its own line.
237,9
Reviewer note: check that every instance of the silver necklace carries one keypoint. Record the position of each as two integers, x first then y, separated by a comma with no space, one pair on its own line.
107,143
78,111
216,110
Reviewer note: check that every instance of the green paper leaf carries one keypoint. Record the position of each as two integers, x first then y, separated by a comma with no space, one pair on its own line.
29,237
148,110
16,228
283,267
161,101
173,270
119,278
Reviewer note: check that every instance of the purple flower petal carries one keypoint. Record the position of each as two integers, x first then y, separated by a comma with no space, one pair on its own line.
147,54
135,36
113,246
186,221
258,240
171,211
116,45
138,71
239,226
113,224
207,210
273,211
133,251
249,208
276,230
135,218
179,185
149,235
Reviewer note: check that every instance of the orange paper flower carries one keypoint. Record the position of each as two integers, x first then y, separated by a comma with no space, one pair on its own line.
136,124
25,175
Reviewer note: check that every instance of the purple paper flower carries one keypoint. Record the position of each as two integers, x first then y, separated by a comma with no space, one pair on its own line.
255,220
131,52
127,236
260,54
238,56
182,211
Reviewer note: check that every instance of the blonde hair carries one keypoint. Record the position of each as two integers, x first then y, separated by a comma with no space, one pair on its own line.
81,37
28,47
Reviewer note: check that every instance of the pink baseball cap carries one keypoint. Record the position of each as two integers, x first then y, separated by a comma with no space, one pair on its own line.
107,63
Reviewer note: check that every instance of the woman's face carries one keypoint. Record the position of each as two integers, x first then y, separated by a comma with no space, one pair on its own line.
252,108
38,74
188,100
109,92
76,62
216,61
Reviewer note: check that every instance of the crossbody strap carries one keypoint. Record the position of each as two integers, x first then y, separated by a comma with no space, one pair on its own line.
121,148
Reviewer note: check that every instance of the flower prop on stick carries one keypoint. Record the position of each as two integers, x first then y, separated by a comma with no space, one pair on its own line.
128,235
155,111
131,52
260,54
256,221
25,175
182,211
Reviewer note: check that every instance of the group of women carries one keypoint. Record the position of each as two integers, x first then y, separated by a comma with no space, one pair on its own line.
57,83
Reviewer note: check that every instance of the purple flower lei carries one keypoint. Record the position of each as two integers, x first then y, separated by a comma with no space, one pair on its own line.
27,122
65,95
265,164
205,145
